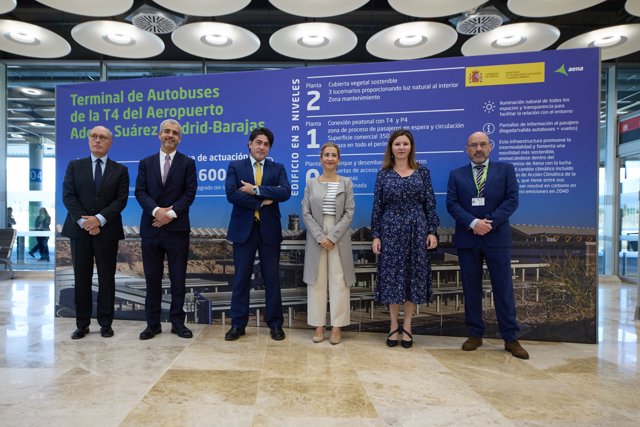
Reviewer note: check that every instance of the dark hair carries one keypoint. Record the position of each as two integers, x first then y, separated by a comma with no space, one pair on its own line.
389,161
262,131
330,144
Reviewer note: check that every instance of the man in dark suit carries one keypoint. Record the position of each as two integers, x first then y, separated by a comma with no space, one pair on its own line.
94,192
255,186
481,197
165,188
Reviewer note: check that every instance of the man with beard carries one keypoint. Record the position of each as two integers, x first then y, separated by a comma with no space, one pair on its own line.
165,188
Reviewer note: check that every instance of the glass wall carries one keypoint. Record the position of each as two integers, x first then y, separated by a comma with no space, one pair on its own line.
30,163
628,91
629,201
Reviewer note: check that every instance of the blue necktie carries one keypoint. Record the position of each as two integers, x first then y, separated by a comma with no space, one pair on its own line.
97,175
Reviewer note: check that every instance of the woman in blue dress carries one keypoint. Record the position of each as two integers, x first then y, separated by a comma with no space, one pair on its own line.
404,224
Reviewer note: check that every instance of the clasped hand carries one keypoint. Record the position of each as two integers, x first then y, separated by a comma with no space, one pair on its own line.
162,217
482,227
91,224
327,244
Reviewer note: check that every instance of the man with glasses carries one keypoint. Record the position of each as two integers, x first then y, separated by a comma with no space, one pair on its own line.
481,197
165,188
94,192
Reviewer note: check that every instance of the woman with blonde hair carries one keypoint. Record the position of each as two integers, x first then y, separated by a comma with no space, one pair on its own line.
327,211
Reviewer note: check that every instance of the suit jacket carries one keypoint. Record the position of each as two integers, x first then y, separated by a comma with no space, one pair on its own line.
275,186
80,198
178,191
501,200
313,219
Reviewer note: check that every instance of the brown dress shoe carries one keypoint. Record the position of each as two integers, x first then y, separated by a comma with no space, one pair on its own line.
472,343
516,349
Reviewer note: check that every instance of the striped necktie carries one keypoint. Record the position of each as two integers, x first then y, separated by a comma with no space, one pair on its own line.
479,180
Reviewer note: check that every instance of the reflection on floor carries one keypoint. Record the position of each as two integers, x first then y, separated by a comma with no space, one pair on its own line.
48,379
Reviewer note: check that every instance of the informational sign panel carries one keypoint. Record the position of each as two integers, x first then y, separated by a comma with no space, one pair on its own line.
539,109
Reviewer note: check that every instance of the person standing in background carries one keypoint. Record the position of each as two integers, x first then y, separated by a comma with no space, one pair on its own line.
42,223
165,189
11,221
481,197
327,211
255,186
95,190
404,224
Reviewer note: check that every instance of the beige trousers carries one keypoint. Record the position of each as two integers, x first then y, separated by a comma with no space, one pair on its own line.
330,278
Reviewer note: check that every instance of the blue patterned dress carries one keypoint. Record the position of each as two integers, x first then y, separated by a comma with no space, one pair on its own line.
404,213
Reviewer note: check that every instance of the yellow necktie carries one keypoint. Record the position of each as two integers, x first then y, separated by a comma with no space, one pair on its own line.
256,214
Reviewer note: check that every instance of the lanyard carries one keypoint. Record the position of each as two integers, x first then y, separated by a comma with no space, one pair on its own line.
480,182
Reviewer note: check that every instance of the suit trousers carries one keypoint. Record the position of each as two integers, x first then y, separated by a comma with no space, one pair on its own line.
499,264
330,278
244,255
175,245
83,252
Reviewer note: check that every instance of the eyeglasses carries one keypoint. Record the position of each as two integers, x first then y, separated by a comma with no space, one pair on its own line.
99,137
474,145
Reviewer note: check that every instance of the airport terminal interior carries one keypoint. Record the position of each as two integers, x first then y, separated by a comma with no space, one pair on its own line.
48,379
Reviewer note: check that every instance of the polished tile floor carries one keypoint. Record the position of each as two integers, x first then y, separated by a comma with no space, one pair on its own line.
47,379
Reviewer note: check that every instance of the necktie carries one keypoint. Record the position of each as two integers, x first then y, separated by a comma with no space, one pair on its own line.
256,214
97,174
479,180
165,169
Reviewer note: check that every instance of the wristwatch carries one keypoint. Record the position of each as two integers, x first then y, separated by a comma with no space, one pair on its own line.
254,189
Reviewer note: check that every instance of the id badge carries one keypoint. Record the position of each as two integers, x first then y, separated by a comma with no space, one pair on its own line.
477,201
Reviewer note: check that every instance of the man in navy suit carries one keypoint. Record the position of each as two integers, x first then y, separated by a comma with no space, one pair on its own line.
95,191
481,197
165,188
255,186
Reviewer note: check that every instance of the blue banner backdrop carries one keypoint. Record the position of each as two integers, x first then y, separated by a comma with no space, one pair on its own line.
540,110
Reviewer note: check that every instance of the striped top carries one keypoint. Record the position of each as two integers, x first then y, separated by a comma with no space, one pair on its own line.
329,202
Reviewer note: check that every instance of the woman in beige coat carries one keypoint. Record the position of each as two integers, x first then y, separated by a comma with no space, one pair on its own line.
327,212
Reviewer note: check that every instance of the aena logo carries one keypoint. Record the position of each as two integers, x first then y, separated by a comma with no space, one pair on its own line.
566,71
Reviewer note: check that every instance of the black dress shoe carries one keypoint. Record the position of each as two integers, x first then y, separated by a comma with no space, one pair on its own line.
277,334
31,254
181,330
233,334
79,333
404,343
106,331
149,333
390,342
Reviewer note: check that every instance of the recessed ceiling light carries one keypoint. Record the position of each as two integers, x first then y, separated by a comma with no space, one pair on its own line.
29,91
17,135
26,39
37,124
509,40
119,39
613,42
313,40
22,37
607,41
217,39
412,40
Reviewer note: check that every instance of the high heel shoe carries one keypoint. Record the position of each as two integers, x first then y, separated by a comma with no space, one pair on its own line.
318,338
390,342
406,344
